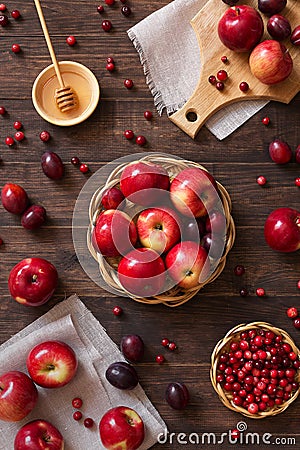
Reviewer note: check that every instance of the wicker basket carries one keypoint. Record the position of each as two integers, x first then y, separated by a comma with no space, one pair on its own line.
107,266
223,345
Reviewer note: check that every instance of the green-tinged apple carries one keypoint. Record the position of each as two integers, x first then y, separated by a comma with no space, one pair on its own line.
142,272
194,192
32,281
158,228
121,428
18,396
270,62
115,233
52,364
39,435
187,264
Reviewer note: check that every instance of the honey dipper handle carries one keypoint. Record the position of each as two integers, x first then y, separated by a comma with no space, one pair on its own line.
48,41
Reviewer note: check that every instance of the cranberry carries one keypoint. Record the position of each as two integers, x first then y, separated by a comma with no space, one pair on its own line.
77,402
280,152
44,136
279,27
244,86
110,60
129,134
19,136
88,422
110,2
239,270
128,83
266,120
84,168
297,181
140,140
110,67
238,401
172,346
292,312
2,110
75,161
159,359
3,20
148,115
243,292
117,311
220,85
222,75
261,180
15,14
15,48
2,7
1,242
106,25
260,292
298,284
71,40
100,9
123,1
17,125
9,141
212,79
224,59
165,342
126,10
296,323
77,415
295,37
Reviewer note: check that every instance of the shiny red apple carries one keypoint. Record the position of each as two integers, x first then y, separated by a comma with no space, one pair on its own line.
114,233
39,435
52,364
18,396
187,264
142,272
143,182
270,62
14,198
282,230
158,228
240,28
121,428
194,192
33,281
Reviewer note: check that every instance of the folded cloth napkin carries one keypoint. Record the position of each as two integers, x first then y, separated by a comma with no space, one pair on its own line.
71,322
169,52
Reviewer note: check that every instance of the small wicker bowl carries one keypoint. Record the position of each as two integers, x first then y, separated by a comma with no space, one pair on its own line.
107,266
223,345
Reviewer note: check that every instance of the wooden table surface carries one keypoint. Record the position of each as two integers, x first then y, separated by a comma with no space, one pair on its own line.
235,162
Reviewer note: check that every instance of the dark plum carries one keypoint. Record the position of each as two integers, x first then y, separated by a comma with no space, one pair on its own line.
52,165
280,151
216,222
192,230
230,2
271,7
33,217
295,37
132,347
279,27
14,198
122,375
297,154
214,247
177,395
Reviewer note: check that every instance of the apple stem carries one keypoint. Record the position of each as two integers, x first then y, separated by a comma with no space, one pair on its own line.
237,10
34,278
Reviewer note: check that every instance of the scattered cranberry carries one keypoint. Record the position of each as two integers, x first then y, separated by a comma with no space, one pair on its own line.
77,402
244,86
71,40
129,134
110,60
297,181
110,67
128,83
44,136
261,180
239,270
77,415
15,48
140,140
165,342
1,242
2,110
75,161
224,59
222,75
88,422
84,168
212,79
106,25
172,346
298,284
3,20
260,292
266,120
243,292
126,10
235,433
9,141
297,323
220,85
148,115
17,125
110,2
15,14
19,136
159,359
2,7
118,311
100,9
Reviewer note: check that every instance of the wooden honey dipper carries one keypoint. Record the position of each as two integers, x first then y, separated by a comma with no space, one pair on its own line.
65,97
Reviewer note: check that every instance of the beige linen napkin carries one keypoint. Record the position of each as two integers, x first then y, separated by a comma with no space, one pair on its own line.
71,322
169,52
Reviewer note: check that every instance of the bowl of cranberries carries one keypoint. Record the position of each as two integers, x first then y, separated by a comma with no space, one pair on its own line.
255,370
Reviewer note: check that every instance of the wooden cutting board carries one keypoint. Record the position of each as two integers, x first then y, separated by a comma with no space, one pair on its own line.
206,99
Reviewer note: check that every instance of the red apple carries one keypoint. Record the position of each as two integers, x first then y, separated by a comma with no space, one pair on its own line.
187,264
143,182
33,281
282,230
270,62
142,272
52,364
158,228
39,435
115,233
121,428
194,192
14,198
18,396
111,198
240,28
